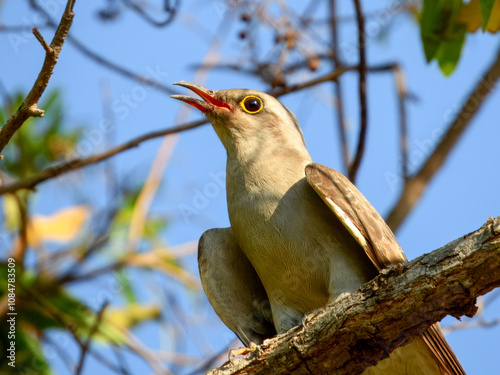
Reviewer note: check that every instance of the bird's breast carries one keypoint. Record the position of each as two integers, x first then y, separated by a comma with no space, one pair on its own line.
276,233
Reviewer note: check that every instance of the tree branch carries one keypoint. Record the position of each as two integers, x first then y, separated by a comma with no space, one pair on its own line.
353,168
416,185
384,314
29,106
74,164
402,94
332,76
170,10
93,330
337,86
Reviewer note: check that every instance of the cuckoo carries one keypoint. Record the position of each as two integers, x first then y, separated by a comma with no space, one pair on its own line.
301,233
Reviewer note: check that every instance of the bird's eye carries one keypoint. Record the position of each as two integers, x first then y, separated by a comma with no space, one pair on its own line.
251,104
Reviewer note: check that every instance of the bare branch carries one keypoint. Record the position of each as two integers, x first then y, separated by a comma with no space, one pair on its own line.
74,164
67,324
92,332
402,93
29,106
20,28
353,168
313,82
21,242
475,323
337,88
208,363
416,185
362,328
48,49
170,10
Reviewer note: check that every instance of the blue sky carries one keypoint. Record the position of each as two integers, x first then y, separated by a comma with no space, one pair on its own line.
459,200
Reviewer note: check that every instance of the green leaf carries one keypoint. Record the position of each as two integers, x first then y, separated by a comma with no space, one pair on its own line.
442,33
29,358
41,141
429,26
486,8
75,316
449,52
127,289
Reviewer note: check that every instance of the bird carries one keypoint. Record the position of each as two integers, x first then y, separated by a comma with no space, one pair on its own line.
301,234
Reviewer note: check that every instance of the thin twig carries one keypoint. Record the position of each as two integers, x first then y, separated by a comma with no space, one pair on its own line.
353,168
256,70
131,341
92,332
29,106
72,277
210,362
403,125
21,242
474,323
20,28
112,189
5,93
68,324
399,7
119,69
337,87
416,185
171,12
104,61
42,41
120,358
74,164
152,358
148,191
313,82
63,354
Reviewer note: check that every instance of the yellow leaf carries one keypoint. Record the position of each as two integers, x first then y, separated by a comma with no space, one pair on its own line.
494,22
163,260
131,315
61,226
11,212
470,15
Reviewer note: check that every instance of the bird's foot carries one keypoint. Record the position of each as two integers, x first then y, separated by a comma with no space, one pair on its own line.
310,316
244,351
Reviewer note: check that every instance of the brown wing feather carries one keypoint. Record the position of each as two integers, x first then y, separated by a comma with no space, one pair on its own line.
342,196
378,241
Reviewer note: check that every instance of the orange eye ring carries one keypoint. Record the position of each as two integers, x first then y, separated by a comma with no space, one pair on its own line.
252,104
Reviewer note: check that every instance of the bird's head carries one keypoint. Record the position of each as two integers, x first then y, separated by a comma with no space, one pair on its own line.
246,119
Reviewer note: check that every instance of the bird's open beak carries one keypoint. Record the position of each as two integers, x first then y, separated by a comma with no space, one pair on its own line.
208,104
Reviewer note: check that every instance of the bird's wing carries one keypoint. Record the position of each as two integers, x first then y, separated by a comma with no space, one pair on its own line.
377,240
357,214
233,288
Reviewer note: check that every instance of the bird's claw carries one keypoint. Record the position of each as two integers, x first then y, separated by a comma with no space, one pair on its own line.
244,351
